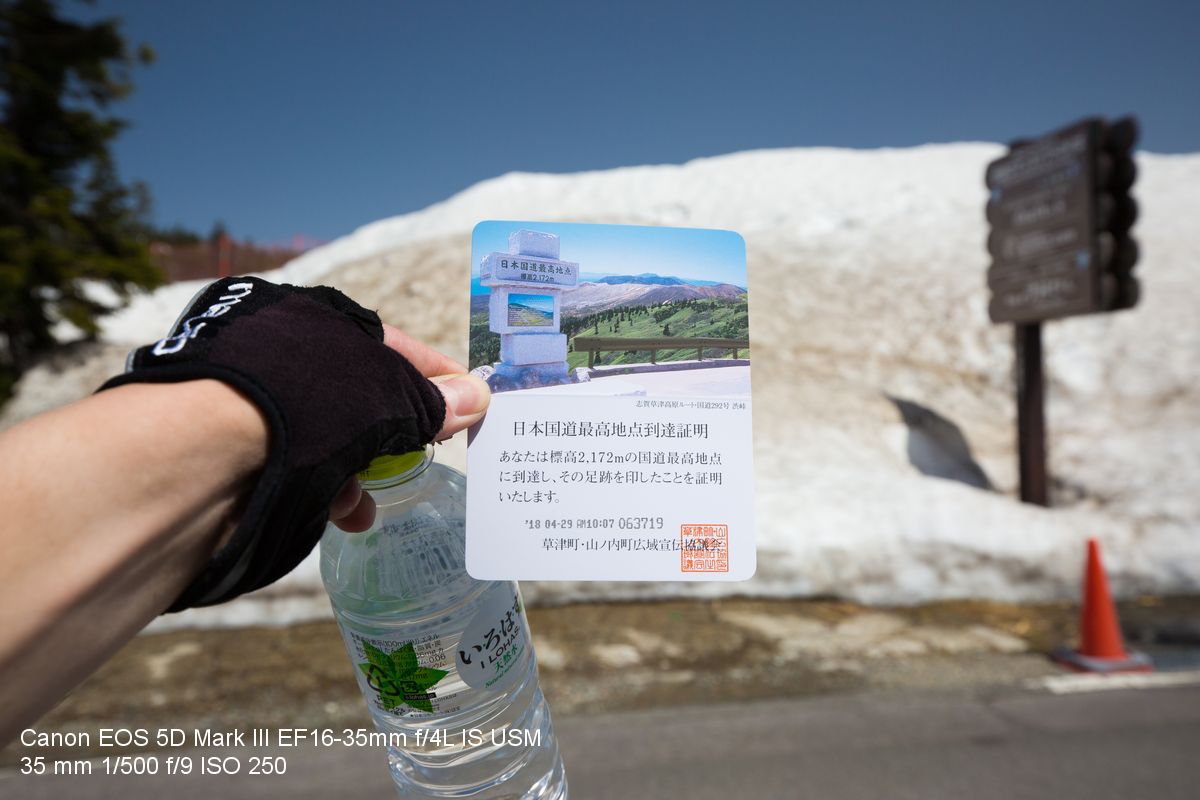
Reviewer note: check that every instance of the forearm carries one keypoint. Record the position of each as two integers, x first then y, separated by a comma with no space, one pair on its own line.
112,505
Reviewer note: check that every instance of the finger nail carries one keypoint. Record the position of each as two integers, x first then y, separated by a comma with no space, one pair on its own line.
471,394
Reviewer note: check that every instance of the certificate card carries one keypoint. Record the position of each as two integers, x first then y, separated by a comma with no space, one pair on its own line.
618,443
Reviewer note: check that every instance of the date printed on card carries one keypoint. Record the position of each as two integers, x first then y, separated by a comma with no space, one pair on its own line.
619,363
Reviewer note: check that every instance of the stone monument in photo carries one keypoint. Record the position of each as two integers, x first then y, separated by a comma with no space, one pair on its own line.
525,307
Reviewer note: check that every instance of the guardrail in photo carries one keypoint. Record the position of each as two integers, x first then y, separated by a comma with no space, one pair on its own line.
603,344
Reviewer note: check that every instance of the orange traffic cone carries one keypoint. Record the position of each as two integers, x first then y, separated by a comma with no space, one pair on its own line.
1100,646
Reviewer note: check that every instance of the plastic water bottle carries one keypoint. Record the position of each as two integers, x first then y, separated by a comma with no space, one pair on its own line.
445,662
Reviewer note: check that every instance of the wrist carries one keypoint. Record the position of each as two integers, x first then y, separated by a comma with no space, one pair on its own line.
227,436
206,426
233,420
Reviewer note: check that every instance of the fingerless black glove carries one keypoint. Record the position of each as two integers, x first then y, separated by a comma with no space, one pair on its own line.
334,397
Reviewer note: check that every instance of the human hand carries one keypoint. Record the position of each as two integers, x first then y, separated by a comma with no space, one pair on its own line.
335,388
467,398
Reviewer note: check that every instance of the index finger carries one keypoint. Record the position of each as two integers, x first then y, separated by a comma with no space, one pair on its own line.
429,361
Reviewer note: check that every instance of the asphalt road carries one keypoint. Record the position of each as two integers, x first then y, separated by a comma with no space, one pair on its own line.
1010,745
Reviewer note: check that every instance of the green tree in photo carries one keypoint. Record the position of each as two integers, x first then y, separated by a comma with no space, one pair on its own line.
66,220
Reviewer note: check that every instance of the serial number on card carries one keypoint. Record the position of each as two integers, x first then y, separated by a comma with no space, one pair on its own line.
595,523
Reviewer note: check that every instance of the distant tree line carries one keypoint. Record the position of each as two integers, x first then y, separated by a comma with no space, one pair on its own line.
485,345
612,316
736,327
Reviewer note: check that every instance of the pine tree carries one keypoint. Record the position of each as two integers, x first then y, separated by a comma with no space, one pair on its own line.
66,220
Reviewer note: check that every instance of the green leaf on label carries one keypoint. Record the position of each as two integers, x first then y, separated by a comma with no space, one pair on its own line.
398,678
426,677
377,656
405,659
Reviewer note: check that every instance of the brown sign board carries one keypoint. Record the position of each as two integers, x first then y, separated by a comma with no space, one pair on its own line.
1020,246
1056,286
1042,210
1060,218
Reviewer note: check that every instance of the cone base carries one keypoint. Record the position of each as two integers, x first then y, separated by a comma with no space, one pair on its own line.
1132,662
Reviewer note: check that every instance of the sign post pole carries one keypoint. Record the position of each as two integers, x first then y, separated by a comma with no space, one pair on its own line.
1060,214
1031,418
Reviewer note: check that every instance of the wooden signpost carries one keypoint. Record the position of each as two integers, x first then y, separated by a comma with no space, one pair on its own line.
1060,214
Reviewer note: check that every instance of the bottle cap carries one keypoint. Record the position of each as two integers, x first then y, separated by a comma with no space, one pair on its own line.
382,467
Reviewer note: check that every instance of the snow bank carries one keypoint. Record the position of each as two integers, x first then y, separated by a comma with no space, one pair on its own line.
866,283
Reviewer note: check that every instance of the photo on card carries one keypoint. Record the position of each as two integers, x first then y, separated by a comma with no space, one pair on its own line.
609,310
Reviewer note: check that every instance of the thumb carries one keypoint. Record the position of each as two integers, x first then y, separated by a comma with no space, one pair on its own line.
467,397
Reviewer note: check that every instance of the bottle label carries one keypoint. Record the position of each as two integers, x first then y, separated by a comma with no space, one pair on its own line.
494,642
424,676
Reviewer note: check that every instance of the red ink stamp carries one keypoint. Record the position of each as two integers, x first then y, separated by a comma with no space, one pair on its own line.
704,548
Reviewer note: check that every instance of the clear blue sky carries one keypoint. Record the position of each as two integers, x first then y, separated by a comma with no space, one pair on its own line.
290,116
